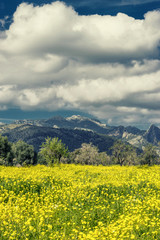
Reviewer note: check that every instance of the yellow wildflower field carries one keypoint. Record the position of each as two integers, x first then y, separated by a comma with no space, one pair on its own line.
79,202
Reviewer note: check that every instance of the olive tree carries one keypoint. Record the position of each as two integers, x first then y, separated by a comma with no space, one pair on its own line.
124,154
150,155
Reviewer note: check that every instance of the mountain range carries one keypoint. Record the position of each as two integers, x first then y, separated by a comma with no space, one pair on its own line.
75,130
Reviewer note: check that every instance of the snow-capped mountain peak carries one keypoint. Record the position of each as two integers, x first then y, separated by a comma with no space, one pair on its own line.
76,117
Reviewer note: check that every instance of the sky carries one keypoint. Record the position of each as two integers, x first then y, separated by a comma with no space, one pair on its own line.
98,58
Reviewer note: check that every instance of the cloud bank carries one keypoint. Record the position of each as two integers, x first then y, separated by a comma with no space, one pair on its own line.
52,58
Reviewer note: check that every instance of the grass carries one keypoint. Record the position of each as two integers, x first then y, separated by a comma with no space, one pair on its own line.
79,202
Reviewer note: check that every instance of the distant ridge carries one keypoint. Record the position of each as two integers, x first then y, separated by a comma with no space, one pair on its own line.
77,129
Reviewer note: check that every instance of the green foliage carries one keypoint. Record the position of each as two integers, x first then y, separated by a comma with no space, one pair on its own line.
149,156
2,161
6,155
88,154
124,154
23,153
41,160
52,150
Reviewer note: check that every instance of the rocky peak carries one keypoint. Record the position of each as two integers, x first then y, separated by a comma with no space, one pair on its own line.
152,135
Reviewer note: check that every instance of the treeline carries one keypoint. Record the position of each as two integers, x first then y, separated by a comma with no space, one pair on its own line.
53,151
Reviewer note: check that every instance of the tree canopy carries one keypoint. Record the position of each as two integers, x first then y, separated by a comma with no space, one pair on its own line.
23,153
150,156
53,150
6,155
89,154
124,154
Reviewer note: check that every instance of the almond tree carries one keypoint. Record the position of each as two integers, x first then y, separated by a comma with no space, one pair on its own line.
88,154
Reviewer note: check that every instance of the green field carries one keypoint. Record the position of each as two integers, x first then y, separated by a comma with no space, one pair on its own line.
79,202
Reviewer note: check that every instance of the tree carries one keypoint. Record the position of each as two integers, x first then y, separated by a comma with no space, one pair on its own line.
6,155
23,153
150,156
88,154
104,159
124,153
52,150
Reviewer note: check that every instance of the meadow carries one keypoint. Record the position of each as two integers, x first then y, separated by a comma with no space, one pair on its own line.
79,202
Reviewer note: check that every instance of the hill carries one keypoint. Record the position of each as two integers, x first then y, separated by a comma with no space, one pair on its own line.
73,138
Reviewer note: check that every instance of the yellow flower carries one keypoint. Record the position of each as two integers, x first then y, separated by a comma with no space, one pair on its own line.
49,226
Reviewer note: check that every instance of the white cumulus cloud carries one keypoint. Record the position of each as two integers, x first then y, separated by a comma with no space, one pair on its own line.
52,58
